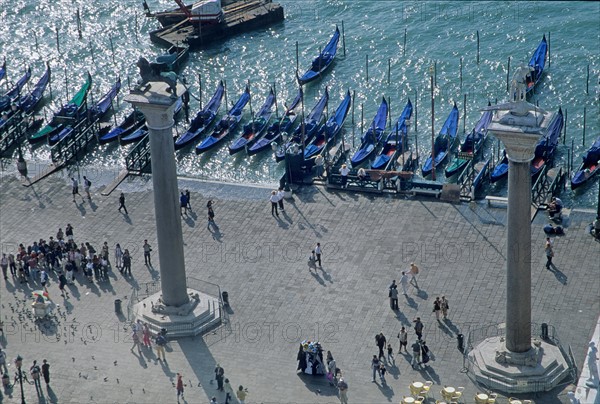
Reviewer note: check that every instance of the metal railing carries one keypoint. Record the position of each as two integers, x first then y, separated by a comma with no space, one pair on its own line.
68,148
465,180
139,157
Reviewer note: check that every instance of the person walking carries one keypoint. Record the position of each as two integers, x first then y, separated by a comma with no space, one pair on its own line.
424,352
403,340
75,188
3,368
69,232
343,389
147,335
147,251
549,252
404,283
4,266
160,342
382,372
219,377
46,371
119,257
318,252
62,282
380,341
136,339
188,197
86,187
242,394
126,263
122,203
414,271
418,328
393,294
390,353
228,391
274,200
416,354
374,367
280,195
35,371
182,204
445,307
179,386
211,215
437,308
319,165
331,369
344,171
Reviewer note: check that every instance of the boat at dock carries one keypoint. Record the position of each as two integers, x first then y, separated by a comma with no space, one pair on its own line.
371,138
133,121
203,119
307,129
322,62
14,93
256,126
67,112
536,65
444,142
27,103
96,112
589,167
327,133
472,145
500,170
546,146
278,128
396,140
226,125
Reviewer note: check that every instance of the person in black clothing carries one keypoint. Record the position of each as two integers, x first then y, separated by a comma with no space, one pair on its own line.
187,197
122,203
219,376
380,340
46,371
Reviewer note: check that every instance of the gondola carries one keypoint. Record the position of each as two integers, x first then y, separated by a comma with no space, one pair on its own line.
203,119
471,146
500,170
323,61
131,123
546,146
29,102
226,125
396,140
69,110
97,111
372,136
589,167
327,133
305,132
15,92
444,142
142,131
537,64
256,126
275,131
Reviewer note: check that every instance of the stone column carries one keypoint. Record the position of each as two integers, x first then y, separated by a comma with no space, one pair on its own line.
157,105
520,151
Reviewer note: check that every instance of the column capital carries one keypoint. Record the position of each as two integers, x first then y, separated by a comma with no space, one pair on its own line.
156,103
520,147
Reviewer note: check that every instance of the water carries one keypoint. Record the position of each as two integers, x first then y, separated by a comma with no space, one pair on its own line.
436,31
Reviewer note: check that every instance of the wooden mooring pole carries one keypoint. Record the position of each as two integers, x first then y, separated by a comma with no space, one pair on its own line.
367,66
508,76
477,46
343,38
79,23
404,46
584,116
353,122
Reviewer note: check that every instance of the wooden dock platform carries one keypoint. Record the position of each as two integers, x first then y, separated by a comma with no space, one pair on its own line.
237,18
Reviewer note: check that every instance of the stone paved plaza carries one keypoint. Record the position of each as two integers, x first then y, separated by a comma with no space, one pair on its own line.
276,300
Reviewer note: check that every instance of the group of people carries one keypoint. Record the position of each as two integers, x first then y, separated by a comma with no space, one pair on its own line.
407,278
36,372
276,199
65,258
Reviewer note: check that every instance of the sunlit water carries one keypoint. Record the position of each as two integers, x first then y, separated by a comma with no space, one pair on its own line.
440,32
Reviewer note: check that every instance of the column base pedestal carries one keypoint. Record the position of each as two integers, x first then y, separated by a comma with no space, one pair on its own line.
540,369
200,314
